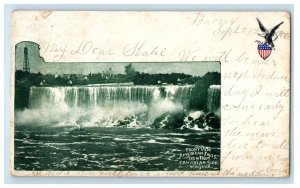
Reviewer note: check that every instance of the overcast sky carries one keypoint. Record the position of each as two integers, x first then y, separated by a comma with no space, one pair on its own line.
37,64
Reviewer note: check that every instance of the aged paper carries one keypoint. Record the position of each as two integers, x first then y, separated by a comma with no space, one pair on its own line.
177,94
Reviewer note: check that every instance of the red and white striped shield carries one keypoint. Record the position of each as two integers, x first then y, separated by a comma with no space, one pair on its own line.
264,50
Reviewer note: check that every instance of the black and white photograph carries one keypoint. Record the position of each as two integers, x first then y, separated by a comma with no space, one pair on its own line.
145,116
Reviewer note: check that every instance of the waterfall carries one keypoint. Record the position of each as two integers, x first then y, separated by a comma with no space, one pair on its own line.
116,105
92,96
213,97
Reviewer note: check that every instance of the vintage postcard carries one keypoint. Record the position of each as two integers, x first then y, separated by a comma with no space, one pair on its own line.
180,94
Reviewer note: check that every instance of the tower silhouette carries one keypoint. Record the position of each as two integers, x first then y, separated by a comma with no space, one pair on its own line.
26,67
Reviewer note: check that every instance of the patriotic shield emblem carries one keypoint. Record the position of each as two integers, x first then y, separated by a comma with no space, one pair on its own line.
264,50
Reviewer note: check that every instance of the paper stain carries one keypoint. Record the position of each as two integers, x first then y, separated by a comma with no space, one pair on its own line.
46,14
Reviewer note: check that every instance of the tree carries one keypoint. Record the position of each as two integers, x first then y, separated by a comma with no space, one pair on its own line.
199,91
130,71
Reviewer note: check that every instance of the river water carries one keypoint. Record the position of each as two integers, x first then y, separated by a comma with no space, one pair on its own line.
99,148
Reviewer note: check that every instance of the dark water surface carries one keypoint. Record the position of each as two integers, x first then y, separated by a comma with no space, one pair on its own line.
113,148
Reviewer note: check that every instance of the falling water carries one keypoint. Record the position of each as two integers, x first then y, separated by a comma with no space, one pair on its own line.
92,96
213,97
